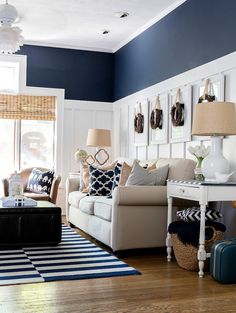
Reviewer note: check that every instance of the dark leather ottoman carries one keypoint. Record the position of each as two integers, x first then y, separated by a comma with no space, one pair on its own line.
24,226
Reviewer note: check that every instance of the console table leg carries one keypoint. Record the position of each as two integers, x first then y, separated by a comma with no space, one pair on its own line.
168,238
201,251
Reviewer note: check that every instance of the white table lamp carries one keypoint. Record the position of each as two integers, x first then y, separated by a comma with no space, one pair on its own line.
214,119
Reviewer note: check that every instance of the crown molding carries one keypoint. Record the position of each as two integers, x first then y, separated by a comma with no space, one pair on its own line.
157,18
53,45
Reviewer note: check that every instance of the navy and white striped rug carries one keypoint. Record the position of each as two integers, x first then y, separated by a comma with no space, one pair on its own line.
74,258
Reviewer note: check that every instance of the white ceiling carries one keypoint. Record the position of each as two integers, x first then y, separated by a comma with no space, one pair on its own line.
76,23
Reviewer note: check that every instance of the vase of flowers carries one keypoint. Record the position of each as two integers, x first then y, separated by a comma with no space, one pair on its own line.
200,152
80,156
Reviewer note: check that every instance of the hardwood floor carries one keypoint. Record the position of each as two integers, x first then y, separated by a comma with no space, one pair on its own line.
163,287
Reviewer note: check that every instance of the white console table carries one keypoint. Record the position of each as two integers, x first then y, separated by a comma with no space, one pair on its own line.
202,192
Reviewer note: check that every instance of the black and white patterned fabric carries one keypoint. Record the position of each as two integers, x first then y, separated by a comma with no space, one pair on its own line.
100,181
117,172
194,215
40,182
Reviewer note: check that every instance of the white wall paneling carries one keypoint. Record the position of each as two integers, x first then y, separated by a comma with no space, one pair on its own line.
178,150
222,75
152,151
164,151
79,116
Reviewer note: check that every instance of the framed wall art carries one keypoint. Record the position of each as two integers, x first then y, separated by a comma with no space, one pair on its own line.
180,114
139,120
216,87
158,119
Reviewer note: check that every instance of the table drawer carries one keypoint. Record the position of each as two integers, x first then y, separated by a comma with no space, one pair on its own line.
185,192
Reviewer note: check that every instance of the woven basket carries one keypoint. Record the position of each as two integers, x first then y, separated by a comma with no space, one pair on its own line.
186,255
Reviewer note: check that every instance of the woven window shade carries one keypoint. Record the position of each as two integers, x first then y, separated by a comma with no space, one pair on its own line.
24,107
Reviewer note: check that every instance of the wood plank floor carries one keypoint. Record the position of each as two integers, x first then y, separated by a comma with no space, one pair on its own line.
163,287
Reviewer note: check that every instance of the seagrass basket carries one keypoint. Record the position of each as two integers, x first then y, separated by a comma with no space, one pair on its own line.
186,254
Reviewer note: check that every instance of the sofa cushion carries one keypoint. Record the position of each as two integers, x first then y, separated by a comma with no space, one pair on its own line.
117,174
103,208
37,196
150,164
75,197
84,183
128,161
40,182
126,170
143,177
100,181
86,204
182,169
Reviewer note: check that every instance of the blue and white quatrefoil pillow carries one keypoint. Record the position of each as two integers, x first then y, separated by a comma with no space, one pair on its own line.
117,172
100,181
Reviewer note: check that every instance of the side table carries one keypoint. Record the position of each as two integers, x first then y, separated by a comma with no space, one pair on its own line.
203,192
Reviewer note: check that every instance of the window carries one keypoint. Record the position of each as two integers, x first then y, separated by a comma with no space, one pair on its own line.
37,141
9,76
25,141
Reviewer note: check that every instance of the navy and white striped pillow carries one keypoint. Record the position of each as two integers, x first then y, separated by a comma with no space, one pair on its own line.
194,215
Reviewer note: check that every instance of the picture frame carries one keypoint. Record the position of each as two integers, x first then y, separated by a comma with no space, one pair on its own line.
181,133
140,139
216,85
159,136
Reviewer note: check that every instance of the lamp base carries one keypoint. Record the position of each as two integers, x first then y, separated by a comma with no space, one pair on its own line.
101,156
215,161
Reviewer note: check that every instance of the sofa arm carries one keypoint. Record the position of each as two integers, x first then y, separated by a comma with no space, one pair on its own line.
72,184
54,189
140,195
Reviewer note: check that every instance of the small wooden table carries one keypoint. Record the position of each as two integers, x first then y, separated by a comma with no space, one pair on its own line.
202,192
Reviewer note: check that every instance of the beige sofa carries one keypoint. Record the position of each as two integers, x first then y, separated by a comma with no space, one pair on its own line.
135,217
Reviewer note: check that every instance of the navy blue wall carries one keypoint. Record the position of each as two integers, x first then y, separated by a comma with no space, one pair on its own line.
195,33
85,75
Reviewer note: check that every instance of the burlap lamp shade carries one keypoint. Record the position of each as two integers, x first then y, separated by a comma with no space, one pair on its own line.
99,138
214,119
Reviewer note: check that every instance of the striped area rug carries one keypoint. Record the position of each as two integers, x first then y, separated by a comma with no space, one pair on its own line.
74,258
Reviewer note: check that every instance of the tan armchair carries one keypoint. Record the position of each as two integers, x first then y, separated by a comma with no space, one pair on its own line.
36,196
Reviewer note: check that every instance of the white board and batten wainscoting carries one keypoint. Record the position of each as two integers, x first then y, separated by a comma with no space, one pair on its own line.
222,75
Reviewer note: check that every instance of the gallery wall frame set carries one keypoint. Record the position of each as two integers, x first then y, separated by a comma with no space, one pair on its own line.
188,96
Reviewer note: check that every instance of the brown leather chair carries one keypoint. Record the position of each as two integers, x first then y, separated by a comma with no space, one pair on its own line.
36,196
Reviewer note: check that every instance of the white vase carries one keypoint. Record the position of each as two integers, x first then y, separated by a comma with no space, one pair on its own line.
215,161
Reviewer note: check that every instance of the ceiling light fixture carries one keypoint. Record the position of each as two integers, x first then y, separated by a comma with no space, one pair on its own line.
10,37
122,14
104,32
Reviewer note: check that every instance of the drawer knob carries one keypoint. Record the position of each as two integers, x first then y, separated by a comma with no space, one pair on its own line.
182,190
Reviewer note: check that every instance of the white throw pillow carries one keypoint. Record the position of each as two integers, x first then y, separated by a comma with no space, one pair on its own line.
142,177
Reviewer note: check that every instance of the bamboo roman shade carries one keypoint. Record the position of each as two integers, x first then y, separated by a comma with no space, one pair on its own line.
24,107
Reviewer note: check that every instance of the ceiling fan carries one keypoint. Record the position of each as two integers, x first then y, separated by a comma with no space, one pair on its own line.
10,36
